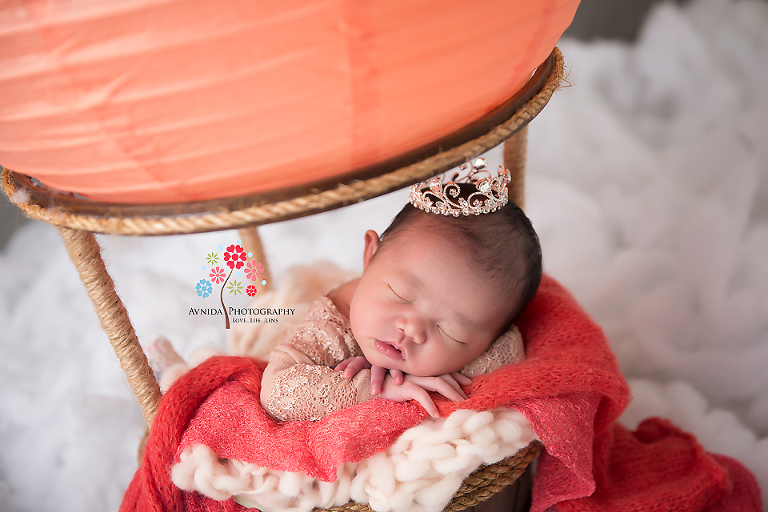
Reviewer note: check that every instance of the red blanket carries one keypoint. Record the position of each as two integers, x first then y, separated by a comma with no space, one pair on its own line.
569,388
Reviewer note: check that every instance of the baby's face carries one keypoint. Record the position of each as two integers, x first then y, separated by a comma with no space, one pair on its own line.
420,307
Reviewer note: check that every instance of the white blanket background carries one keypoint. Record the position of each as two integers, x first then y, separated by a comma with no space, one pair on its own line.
647,182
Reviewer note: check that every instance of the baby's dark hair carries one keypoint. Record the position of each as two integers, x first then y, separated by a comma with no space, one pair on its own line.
502,244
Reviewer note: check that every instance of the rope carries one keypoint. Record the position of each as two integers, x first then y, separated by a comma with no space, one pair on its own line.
251,241
515,151
85,254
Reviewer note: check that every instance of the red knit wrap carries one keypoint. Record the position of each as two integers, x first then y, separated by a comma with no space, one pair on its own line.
569,387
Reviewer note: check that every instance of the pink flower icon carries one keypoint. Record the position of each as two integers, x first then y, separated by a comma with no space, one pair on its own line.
253,270
235,257
251,290
217,275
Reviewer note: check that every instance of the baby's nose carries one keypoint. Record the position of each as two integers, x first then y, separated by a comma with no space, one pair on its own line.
412,328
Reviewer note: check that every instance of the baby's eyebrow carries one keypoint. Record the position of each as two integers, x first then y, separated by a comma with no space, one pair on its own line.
413,281
465,322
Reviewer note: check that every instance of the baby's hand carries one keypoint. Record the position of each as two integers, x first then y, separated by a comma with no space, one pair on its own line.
378,374
417,388
350,366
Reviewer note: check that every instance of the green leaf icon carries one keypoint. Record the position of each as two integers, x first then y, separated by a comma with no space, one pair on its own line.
235,287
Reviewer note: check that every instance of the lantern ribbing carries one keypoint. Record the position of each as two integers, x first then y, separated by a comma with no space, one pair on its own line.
114,222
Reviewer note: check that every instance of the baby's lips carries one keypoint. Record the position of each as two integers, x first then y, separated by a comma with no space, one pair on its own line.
388,350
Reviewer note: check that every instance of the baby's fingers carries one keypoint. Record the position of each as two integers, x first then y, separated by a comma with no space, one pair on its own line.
397,376
445,385
450,390
451,381
421,396
357,364
349,367
461,379
342,365
377,379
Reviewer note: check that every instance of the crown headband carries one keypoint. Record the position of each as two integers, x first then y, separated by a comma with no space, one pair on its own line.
436,196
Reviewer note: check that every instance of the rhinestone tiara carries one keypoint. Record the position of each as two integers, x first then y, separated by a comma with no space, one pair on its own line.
443,197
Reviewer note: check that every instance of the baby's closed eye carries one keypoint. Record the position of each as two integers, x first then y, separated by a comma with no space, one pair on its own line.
450,338
398,295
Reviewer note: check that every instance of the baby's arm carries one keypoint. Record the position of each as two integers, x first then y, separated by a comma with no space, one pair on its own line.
295,388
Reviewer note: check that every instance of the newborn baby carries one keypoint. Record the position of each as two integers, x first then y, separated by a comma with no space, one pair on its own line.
434,307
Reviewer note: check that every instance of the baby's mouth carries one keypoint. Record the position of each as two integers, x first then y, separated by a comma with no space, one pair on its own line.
389,350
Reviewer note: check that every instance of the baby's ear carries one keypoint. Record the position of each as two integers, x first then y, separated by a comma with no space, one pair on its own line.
371,246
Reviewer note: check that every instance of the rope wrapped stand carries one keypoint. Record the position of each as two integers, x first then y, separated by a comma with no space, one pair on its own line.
78,219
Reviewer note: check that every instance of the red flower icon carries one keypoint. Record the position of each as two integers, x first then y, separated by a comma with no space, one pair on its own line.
235,257
251,290
217,275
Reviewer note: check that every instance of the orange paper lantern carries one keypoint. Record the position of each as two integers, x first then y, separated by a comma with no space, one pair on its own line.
149,101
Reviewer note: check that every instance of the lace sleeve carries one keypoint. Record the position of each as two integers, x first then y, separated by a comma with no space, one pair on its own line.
300,383
507,349
307,391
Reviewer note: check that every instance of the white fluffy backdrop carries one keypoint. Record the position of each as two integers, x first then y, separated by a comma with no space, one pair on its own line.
647,182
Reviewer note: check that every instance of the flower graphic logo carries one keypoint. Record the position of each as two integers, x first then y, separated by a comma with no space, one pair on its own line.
204,288
253,270
235,257
217,275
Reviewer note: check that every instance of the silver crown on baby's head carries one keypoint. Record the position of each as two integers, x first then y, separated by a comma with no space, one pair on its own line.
444,197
